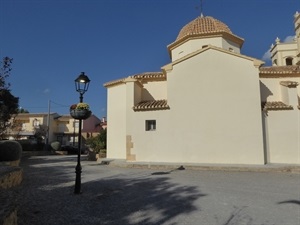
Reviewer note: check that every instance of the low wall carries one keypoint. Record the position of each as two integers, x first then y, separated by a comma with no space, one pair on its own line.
11,175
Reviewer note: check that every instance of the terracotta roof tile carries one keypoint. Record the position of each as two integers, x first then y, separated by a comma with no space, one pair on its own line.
272,106
150,76
203,26
114,82
280,71
151,105
147,76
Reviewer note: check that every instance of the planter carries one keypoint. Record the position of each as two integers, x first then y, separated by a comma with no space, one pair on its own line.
92,156
80,114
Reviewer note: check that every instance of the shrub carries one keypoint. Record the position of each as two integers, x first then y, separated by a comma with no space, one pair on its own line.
10,150
28,146
56,146
97,143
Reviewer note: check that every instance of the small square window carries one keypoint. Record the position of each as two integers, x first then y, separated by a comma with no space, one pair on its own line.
150,125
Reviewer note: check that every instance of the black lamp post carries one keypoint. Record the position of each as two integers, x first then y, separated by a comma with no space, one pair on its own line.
82,84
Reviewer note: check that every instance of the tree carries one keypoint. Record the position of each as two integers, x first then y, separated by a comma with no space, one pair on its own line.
21,110
102,138
99,142
15,129
5,72
40,132
8,103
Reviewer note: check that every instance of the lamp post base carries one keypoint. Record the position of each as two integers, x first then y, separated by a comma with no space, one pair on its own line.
78,170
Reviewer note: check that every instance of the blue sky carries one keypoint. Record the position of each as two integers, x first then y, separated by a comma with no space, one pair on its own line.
52,41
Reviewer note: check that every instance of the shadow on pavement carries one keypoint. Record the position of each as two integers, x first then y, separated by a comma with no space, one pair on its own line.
297,202
46,197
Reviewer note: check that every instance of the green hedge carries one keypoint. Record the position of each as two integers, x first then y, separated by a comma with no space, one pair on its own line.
10,150
28,146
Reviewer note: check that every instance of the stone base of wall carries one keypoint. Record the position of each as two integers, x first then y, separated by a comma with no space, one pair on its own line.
12,219
10,163
10,176
8,211
129,146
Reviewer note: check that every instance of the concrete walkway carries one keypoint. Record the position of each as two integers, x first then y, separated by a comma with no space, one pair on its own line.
129,196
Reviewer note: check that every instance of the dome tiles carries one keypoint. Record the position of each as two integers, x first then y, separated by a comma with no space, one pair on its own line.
203,26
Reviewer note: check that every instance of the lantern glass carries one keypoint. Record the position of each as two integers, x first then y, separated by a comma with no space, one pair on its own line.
82,83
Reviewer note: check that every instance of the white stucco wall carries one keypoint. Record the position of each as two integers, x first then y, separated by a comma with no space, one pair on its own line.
116,119
121,118
216,96
282,127
271,88
214,115
196,44
283,136
229,45
151,146
154,90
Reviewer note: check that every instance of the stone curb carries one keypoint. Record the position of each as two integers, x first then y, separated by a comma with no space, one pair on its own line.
204,167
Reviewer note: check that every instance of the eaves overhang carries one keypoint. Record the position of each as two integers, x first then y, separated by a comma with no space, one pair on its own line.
279,71
152,105
140,78
275,106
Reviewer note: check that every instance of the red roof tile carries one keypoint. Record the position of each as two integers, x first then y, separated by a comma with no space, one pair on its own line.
147,76
203,26
272,106
279,71
151,105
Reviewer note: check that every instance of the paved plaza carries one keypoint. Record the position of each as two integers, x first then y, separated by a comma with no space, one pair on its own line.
130,196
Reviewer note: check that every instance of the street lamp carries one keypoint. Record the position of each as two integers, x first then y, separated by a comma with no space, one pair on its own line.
82,84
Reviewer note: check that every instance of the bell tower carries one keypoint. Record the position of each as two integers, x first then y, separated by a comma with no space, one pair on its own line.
287,53
297,32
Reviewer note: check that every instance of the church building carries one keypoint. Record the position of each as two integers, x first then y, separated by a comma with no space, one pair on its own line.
210,104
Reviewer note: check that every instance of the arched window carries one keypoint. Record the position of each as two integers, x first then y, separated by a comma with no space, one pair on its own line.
289,61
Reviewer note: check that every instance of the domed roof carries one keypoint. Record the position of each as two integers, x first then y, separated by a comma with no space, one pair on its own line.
203,26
